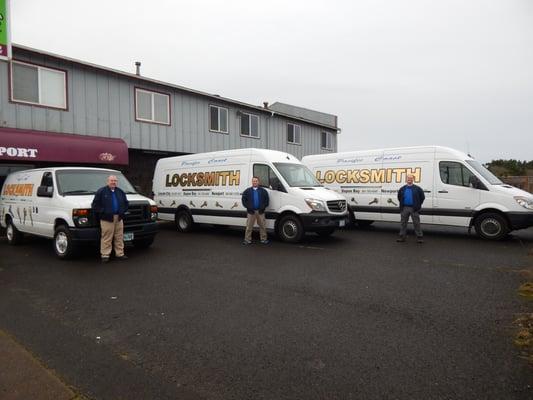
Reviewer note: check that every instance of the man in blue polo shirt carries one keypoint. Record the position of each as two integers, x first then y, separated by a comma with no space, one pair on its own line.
411,198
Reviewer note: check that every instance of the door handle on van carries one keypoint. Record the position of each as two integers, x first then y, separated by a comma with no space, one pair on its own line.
443,191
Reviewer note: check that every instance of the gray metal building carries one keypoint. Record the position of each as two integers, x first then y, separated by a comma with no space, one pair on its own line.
44,94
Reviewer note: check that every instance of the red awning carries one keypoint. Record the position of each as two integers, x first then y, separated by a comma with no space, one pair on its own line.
32,146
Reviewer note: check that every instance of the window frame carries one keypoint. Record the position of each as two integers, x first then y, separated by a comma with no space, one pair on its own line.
38,66
330,135
250,125
463,167
294,143
270,170
137,89
226,132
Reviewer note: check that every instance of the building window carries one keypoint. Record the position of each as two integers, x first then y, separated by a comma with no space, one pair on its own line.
152,107
294,134
249,125
326,140
218,119
43,86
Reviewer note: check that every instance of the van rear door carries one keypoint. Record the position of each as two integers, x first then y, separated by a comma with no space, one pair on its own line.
455,197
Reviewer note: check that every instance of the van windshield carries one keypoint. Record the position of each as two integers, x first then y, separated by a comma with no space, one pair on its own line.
484,172
297,175
80,182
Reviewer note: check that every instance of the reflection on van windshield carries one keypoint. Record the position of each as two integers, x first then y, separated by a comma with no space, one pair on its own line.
79,182
484,172
297,175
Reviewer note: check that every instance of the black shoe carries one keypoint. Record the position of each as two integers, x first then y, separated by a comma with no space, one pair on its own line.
400,240
246,242
420,240
105,260
122,257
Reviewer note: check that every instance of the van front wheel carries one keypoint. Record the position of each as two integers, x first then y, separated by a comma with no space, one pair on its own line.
184,221
64,246
491,226
290,229
14,236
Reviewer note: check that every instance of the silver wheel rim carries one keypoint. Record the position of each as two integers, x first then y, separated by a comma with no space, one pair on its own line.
491,227
61,242
290,229
9,232
183,223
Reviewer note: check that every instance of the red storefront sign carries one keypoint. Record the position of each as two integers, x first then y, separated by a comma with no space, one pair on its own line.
32,146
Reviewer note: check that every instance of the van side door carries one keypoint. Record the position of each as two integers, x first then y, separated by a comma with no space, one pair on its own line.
43,214
271,182
455,196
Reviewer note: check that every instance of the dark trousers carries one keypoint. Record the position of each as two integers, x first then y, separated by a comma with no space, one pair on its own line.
415,217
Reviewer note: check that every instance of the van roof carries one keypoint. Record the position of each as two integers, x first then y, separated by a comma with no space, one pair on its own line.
436,149
66,168
272,155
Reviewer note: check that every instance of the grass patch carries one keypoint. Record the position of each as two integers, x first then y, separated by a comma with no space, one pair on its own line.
526,290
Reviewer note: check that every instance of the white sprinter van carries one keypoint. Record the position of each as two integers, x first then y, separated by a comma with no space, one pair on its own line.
56,203
207,188
459,190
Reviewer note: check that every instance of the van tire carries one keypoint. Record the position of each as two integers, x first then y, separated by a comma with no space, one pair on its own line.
14,236
491,226
64,246
290,229
325,232
184,222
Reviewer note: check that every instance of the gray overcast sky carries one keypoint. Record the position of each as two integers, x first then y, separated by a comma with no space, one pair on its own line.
455,72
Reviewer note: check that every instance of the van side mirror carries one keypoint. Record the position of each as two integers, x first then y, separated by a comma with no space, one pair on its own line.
45,191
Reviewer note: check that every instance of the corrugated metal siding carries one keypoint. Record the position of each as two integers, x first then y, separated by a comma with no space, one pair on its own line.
101,103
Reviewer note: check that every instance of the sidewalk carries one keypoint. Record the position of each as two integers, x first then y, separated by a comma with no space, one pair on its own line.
22,377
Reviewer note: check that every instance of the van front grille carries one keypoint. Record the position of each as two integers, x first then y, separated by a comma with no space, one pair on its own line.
337,206
137,213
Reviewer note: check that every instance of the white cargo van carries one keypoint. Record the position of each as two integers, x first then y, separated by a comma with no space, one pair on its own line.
56,203
207,188
459,190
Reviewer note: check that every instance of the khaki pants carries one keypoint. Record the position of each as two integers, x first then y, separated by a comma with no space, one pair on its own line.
250,221
112,234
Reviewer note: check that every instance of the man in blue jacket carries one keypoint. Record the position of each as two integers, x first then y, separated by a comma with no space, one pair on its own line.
255,200
109,205
411,198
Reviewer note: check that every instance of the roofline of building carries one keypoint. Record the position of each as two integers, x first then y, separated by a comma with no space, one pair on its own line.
172,86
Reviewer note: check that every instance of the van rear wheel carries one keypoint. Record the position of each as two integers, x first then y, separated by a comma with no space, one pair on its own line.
290,229
491,226
14,236
64,246
184,222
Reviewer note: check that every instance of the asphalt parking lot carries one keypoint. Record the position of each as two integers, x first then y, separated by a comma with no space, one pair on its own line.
353,316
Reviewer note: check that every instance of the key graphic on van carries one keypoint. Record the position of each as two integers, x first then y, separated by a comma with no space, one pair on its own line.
160,202
390,201
354,201
235,205
30,213
375,201
18,213
204,204
192,204
173,203
217,204
25,213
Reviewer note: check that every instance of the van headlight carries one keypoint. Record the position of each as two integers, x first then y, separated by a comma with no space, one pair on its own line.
524,202
316,205
153,213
